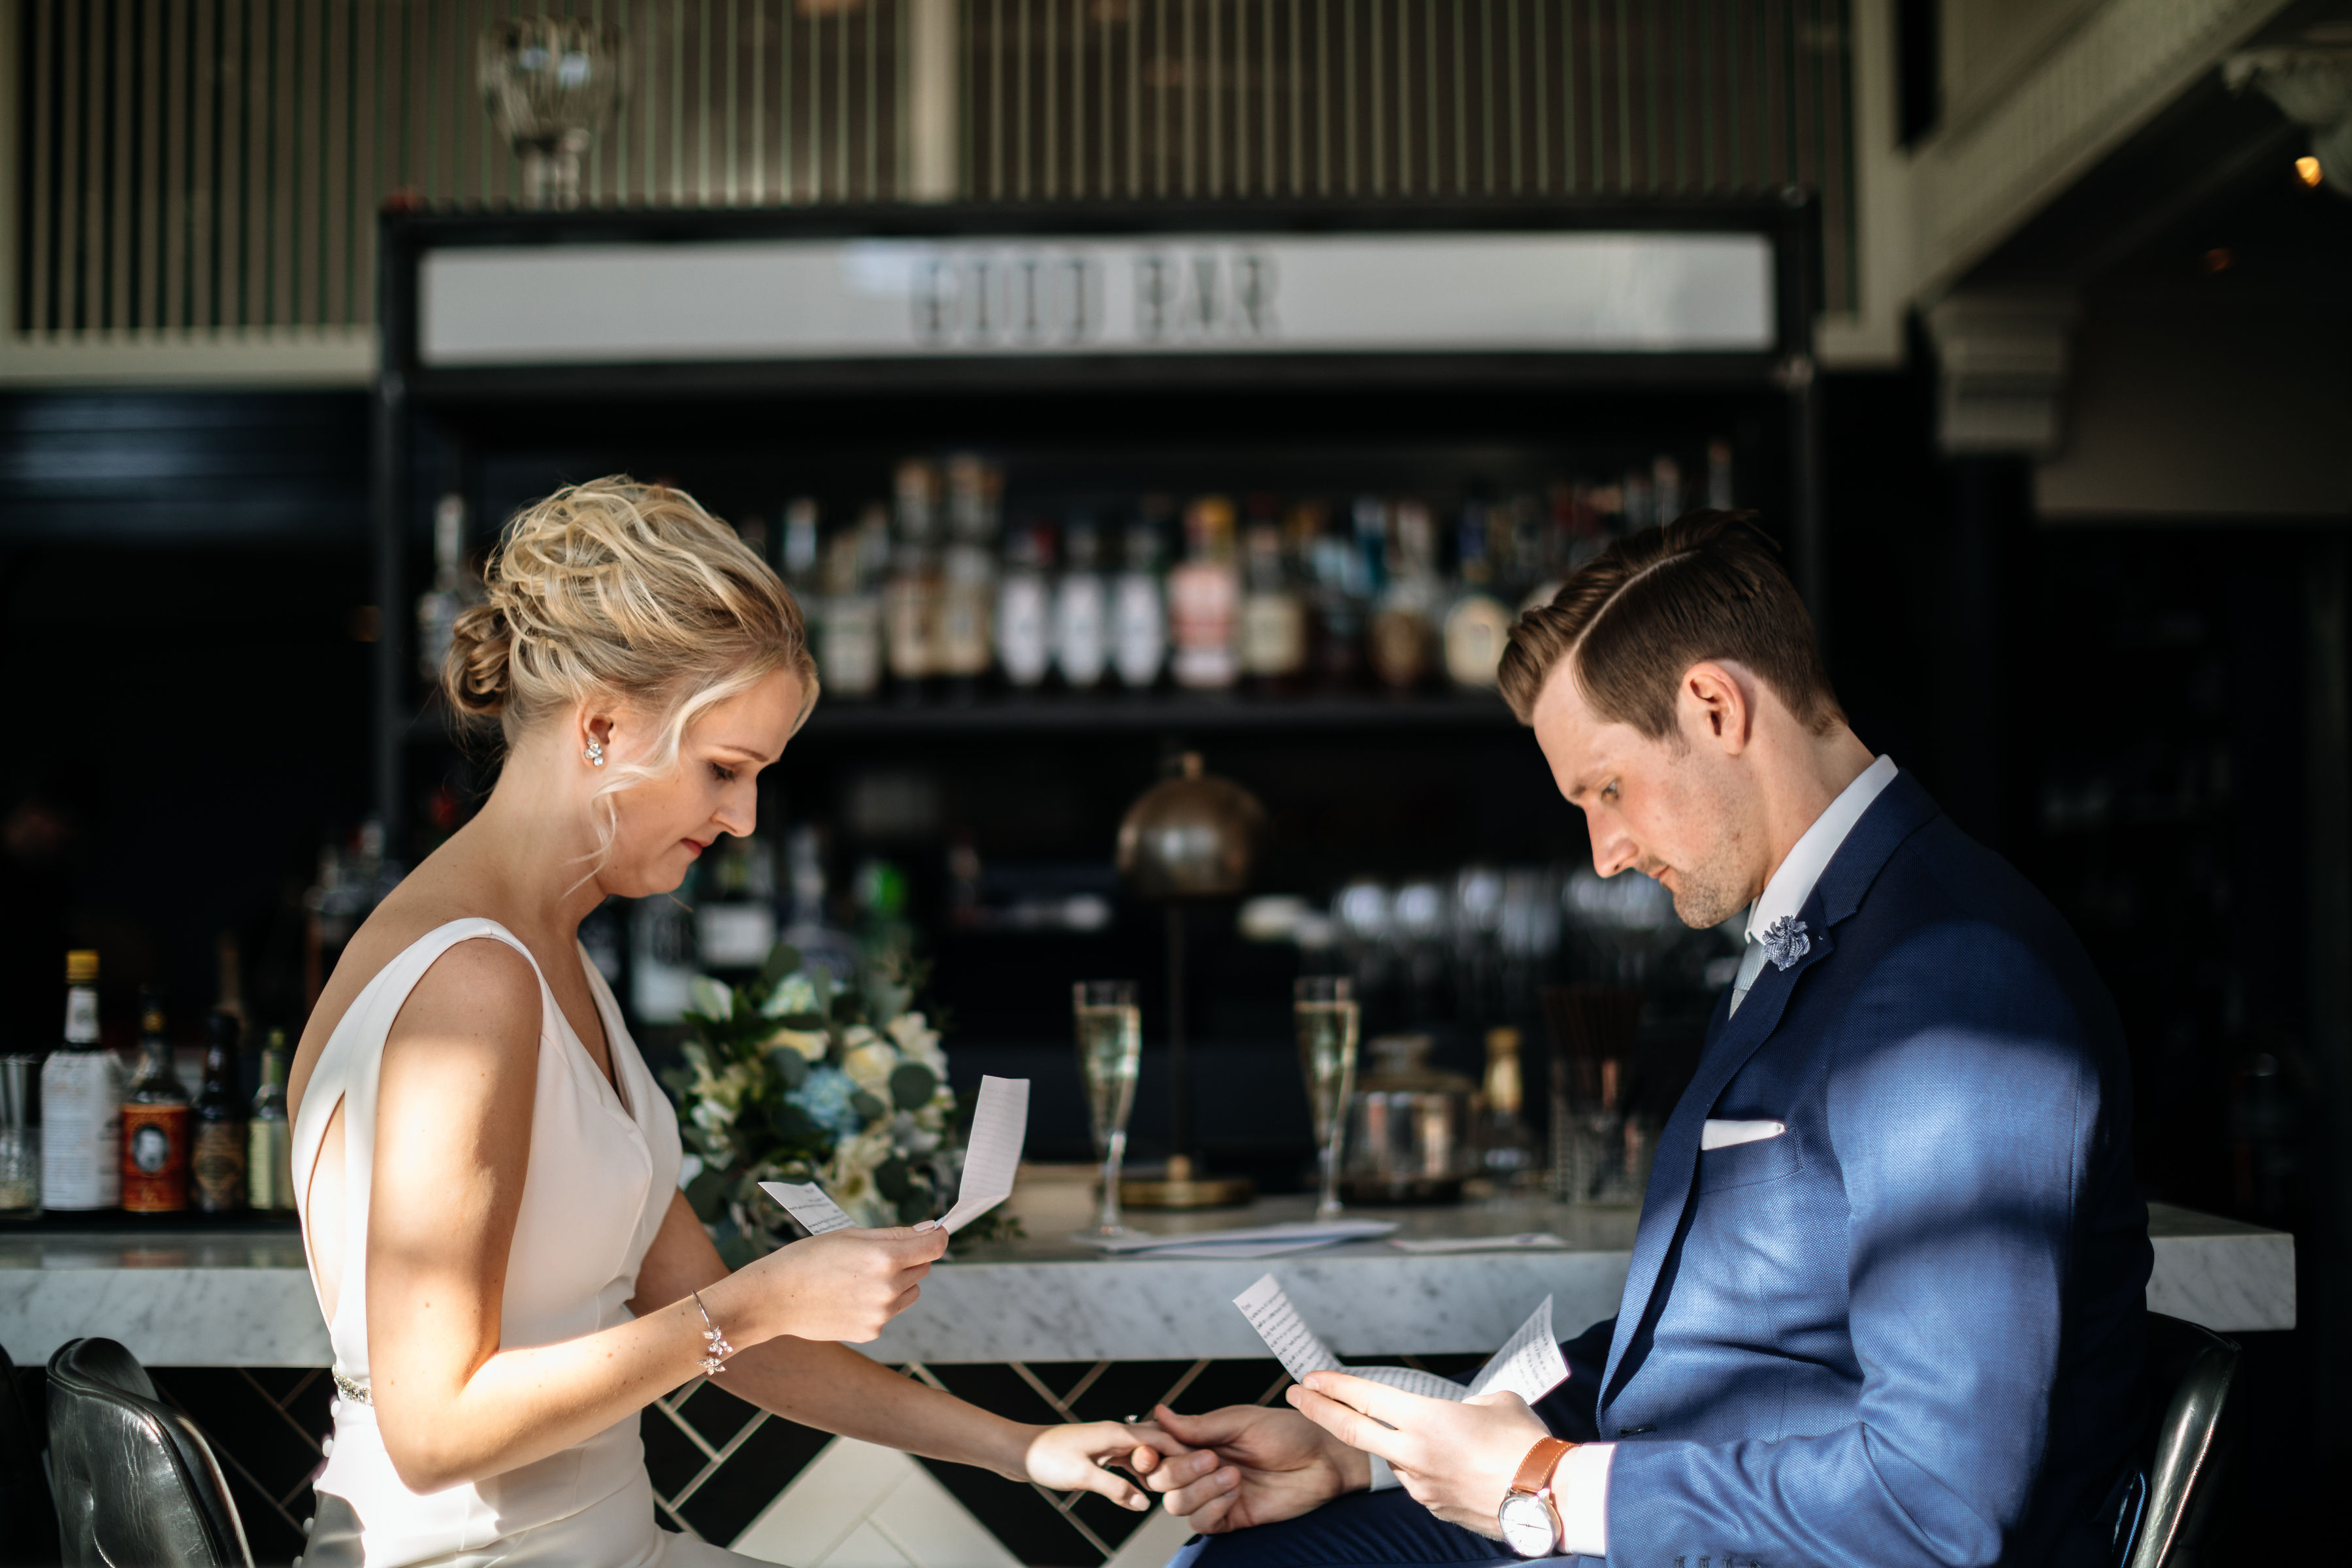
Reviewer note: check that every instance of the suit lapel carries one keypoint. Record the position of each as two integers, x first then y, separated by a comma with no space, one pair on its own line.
1676,1164
1898,812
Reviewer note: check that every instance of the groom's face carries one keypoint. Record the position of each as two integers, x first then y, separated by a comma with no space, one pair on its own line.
1668,807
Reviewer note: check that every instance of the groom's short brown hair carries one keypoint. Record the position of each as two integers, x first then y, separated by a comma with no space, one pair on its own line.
1634,617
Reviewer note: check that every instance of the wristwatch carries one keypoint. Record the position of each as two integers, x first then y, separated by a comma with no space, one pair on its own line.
1530,1519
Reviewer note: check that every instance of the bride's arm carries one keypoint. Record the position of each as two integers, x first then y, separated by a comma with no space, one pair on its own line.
452,1145
835,1389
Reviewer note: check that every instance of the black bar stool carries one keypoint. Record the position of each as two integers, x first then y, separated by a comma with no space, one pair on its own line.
2192,1440
134,1480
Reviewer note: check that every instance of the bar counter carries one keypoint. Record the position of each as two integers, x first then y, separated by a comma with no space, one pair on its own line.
216,1299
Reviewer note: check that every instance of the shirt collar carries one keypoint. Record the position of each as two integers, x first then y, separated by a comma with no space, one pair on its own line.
1793,884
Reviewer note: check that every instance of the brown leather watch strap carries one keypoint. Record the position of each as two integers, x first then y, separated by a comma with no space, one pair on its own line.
1535,1470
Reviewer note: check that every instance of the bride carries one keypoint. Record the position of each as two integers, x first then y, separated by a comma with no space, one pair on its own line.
488,1174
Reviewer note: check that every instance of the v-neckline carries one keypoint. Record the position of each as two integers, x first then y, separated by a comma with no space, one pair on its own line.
604,1021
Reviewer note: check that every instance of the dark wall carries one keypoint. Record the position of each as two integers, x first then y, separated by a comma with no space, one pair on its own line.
2131,714
183,594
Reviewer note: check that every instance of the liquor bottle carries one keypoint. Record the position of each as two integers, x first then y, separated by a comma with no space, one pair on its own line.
800,545
1025,608
1477,624
1403,628
268,1146
910,599
849,621
1338,574
1665,488
1081,608
963,646
81,1104
453,588
1139,612
1205,598
820,943
1274,616
1635,509
1507,1147
960,647
154,1122
1719,476
217,1149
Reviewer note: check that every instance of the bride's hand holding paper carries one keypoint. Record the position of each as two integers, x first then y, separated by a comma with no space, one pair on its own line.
844,1286
1455,1458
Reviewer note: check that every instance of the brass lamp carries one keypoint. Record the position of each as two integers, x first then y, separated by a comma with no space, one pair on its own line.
1186,838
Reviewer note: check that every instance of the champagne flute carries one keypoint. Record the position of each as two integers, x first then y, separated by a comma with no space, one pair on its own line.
1325,1008
1110,1047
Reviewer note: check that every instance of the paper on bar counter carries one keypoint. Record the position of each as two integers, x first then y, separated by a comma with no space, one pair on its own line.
1526,1241
809,1204
1530,1364
1292,1235
999,1123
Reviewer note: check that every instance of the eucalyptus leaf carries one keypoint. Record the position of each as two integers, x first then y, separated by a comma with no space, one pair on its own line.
889,997
783,959
806,1023
866,1106
847,1008
707,1193
912,1085
794,1127
790,1067
893,1181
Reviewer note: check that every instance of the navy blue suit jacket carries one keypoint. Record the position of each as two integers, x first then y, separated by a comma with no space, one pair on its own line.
1908,1329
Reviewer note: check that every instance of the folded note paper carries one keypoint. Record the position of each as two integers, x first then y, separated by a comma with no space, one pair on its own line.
991,1155
809,1204
999,1123
1529,1366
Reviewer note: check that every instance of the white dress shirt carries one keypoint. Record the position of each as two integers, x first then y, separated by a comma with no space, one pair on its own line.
1793,884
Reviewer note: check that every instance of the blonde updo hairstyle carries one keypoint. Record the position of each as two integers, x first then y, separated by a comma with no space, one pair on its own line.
613,589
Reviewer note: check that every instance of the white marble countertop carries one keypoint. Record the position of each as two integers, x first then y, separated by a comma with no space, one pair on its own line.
216,1300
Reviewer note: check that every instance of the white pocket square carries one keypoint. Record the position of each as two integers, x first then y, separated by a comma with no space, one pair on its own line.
1723,1134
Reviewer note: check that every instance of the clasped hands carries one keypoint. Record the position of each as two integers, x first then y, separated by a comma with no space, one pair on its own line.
1251,1464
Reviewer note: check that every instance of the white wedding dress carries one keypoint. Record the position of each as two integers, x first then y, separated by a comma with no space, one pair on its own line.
602,1167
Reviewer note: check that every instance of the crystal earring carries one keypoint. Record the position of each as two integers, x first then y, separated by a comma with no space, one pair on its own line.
595,752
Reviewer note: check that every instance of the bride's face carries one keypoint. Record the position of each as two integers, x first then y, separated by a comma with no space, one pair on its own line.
664,824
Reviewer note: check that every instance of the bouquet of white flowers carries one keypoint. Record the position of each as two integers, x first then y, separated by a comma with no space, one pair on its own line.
794,1078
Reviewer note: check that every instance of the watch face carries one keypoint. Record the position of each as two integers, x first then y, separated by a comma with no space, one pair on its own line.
1527,1527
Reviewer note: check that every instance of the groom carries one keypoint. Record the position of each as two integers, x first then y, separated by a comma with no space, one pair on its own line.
1886,1300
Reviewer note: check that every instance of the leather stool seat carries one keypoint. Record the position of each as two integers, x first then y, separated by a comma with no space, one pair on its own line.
134,1480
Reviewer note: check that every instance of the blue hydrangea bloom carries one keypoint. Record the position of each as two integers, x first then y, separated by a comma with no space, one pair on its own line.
824,1095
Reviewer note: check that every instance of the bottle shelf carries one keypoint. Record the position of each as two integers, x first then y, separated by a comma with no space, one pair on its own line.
1155,712
1115,714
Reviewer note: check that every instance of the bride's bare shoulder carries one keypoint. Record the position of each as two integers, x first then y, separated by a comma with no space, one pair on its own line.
419,905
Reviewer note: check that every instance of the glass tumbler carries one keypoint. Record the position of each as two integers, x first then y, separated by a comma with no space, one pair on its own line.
1325,1010
1111,1048
20,1140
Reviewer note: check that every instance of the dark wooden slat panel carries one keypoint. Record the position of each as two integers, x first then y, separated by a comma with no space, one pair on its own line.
190,467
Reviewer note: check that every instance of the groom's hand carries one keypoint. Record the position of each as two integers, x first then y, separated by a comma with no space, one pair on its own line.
1256,1466
1456,1459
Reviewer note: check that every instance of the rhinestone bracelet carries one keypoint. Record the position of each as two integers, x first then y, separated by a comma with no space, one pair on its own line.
715,1353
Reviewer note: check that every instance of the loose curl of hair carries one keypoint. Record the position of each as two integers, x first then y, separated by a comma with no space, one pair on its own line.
613,589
